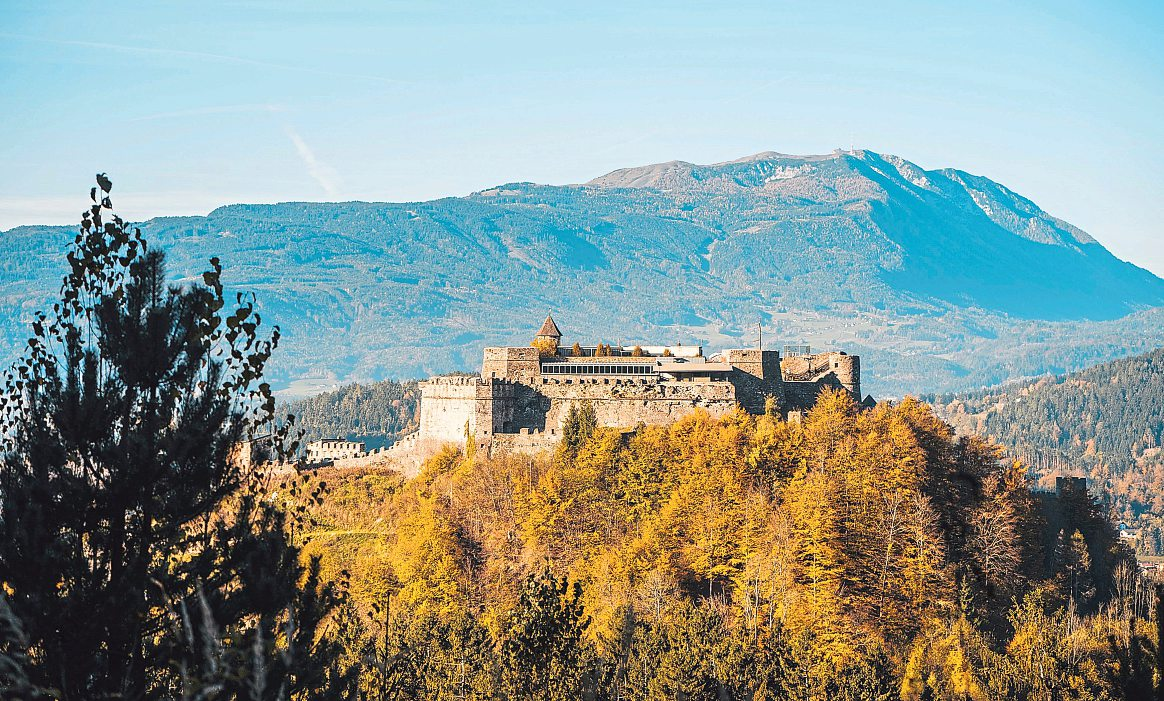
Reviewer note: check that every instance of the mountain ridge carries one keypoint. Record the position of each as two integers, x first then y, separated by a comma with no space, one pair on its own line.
945,280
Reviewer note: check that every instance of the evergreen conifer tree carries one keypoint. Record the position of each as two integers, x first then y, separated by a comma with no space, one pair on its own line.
142,554
543,654
581,422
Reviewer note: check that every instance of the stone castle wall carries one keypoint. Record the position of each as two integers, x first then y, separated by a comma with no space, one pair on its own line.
517,364
629,402
512,407
449,408
525,441
806,376
756,375
847,369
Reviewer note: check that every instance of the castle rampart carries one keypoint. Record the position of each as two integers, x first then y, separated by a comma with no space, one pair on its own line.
520,401
448,408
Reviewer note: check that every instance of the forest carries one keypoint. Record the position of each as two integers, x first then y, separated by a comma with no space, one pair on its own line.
376,413
854,555
1106,422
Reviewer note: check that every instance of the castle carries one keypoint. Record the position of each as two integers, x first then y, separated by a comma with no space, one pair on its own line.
523,394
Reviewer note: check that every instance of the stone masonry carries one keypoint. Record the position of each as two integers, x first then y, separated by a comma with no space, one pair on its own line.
520,400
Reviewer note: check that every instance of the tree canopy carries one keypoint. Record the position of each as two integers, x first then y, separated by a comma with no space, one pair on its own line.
139,554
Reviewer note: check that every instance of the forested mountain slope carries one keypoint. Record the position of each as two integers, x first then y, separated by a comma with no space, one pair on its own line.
1107,420
376,413
940,279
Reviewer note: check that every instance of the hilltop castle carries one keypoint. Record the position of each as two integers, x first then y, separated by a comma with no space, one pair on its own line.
523,394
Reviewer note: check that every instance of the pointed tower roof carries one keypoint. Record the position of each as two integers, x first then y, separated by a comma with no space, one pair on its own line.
549,328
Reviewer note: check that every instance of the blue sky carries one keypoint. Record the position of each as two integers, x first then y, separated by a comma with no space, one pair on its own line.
190,105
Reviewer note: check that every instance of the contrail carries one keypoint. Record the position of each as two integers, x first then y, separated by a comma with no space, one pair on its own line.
323,174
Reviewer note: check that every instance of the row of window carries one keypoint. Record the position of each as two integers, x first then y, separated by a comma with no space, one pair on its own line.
596,369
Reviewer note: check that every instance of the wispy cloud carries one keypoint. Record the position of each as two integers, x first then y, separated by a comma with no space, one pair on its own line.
325,175
201,56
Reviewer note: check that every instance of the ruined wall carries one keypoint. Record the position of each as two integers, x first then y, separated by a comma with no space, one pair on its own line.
527,410
756,376
525,441
801,396
805,377
627,402
517,364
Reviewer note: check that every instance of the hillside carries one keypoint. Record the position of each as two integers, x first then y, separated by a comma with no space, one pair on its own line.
942,280
855,555
377,413
1107,420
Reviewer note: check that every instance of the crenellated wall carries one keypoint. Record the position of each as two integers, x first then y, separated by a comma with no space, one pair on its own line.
449,407
513,407
524,441
629,402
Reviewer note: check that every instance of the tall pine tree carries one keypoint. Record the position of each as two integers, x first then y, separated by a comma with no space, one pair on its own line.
138,548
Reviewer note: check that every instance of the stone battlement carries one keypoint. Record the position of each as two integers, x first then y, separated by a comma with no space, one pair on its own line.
522,397
454,381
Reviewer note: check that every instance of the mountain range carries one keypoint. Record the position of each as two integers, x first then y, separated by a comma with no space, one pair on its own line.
940,279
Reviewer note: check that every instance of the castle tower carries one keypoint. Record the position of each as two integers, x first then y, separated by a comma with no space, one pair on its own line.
548,337
549,331
756,375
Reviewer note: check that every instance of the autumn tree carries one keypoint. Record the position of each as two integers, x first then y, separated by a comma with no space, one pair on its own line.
811,506
1074,564
547,347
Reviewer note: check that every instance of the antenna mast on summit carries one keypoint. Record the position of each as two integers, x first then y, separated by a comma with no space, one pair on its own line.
760,336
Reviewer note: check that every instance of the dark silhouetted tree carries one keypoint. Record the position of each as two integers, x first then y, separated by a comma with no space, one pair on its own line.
581,421
143,554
